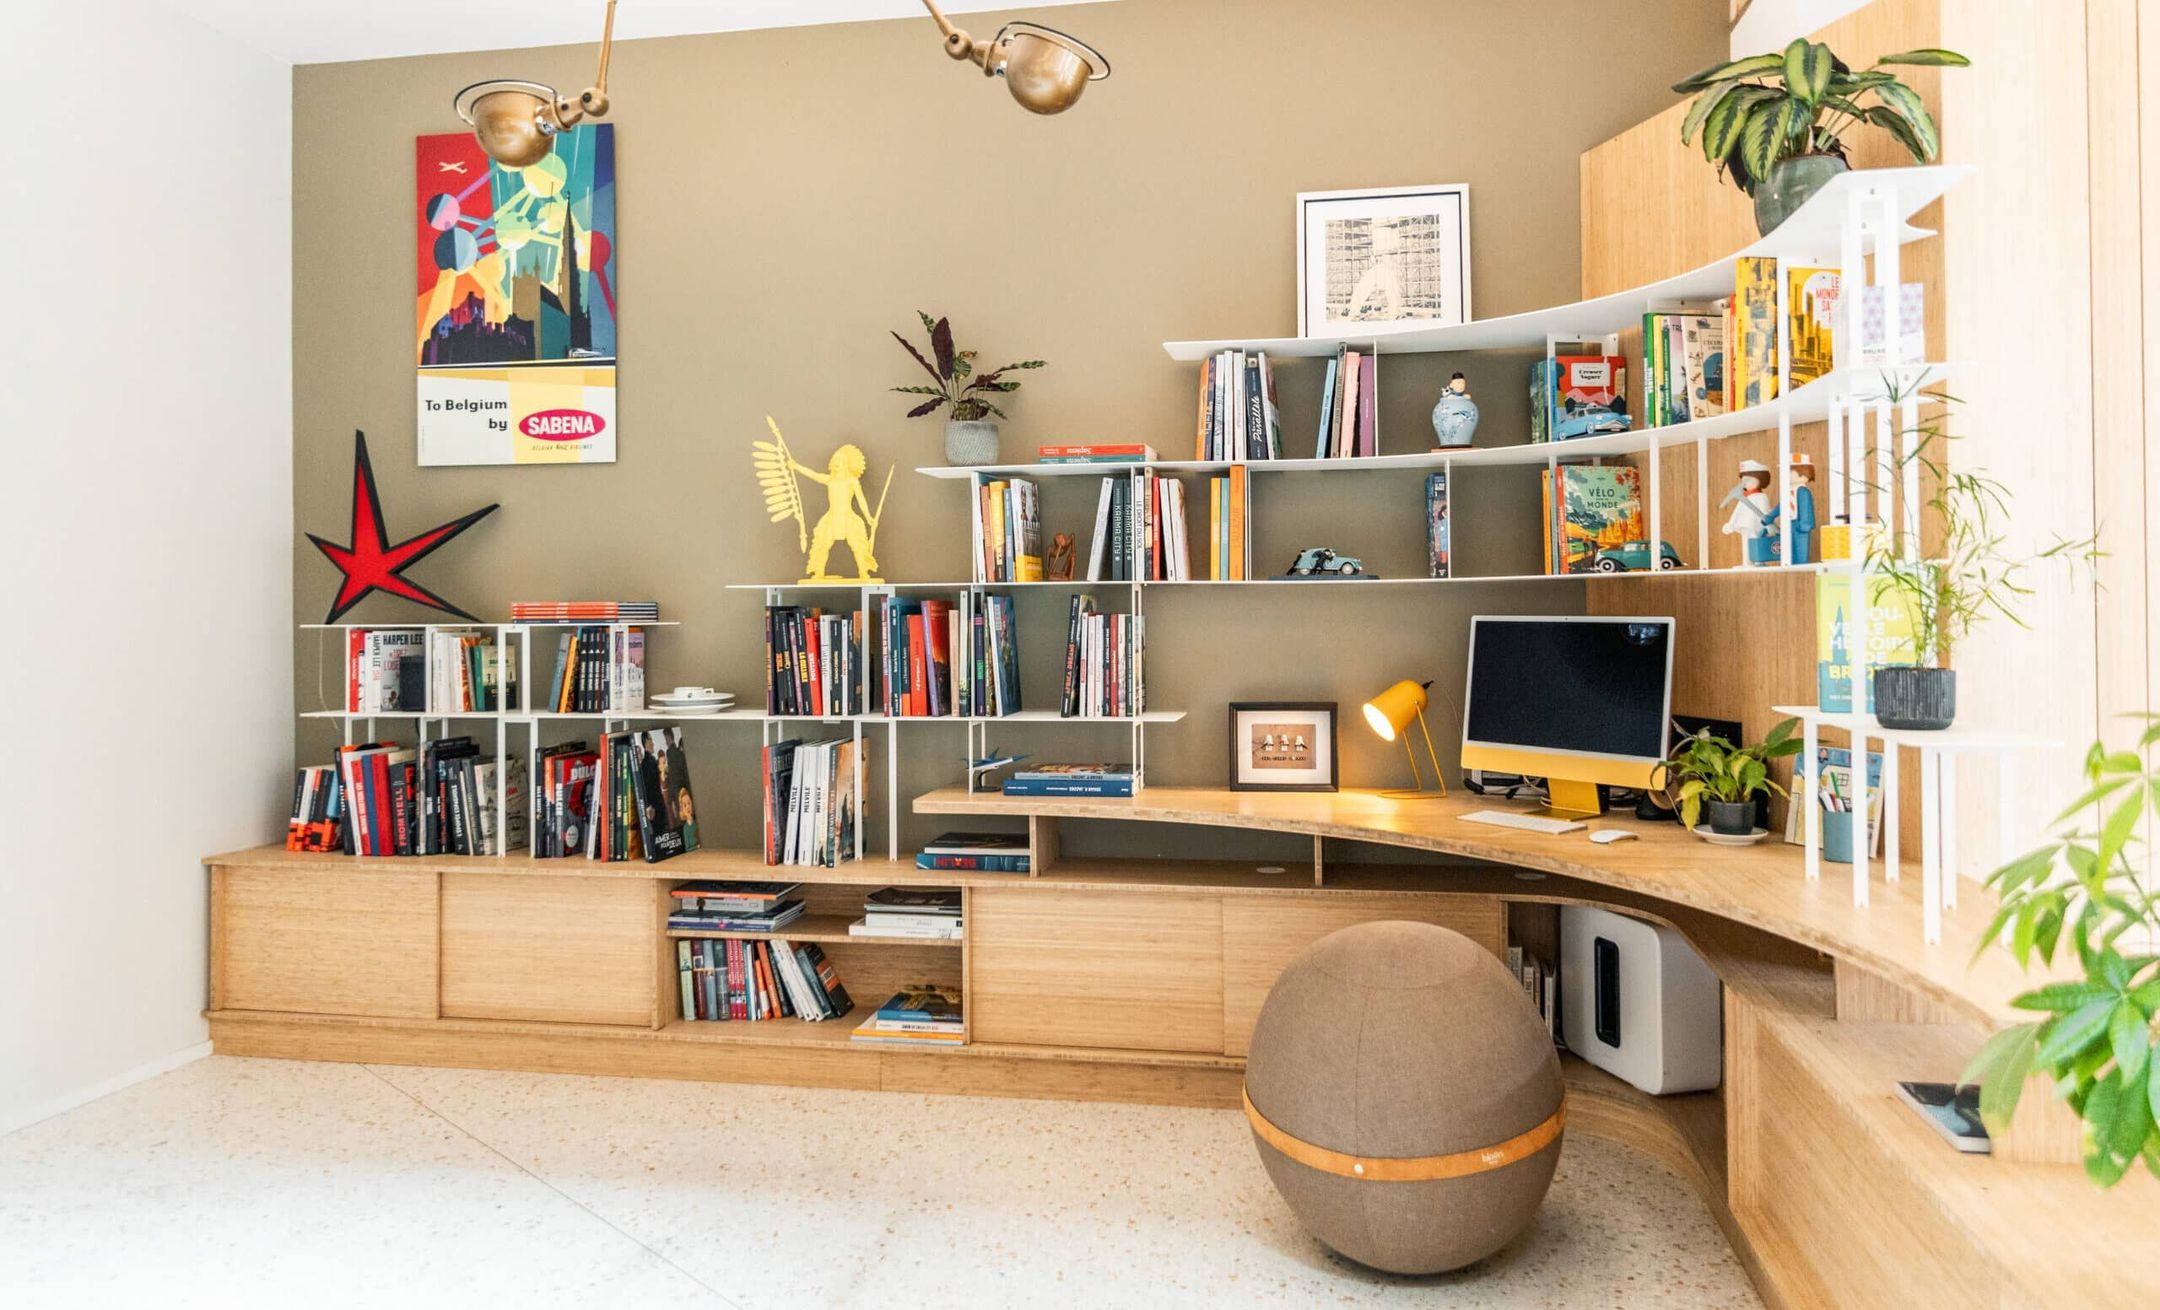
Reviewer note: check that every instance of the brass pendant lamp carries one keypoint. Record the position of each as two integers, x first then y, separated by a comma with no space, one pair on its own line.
517,121
1046,69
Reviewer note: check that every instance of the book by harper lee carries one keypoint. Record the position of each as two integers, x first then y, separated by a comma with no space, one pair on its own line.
1589,508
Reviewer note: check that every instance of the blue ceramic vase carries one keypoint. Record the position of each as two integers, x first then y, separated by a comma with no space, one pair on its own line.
1455,418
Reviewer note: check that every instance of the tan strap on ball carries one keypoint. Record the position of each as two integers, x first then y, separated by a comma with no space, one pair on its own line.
1408,1168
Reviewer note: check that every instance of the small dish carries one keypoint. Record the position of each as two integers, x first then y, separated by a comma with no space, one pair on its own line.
1730,839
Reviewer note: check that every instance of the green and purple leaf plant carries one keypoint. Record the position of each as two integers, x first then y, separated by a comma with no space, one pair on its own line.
957,383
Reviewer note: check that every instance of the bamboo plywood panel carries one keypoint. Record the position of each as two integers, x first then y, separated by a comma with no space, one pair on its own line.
561,950
323,943
1142,970
1261,935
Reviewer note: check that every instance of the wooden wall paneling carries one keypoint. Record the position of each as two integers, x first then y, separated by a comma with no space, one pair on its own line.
1142,970
667,968
549,948
967,960
1261,935
325,943
1043,845
1864,996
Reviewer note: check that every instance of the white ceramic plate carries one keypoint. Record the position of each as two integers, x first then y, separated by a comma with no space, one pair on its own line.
1727,839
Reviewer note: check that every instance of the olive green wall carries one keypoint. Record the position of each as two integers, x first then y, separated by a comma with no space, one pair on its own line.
786,197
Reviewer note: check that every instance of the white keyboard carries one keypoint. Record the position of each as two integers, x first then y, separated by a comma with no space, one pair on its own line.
1526,822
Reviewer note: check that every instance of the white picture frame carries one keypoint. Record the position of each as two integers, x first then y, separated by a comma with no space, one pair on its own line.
1428,230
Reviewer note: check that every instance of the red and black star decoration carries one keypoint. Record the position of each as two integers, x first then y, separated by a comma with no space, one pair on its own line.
371,563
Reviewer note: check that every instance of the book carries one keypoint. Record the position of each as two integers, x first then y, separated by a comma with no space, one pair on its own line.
666,811
1754,354
1099,542
976,843
1437,553
1874,347
909,900
1890,638
1592,396
1702,343
584,611
1589,508
888,926
1811,305
1327,407
1833,766
1104,453
768,920
922,1001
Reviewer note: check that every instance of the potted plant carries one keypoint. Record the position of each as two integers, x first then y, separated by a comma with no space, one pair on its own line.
1972,574
2095,1044
970,436
1710,777
1775,124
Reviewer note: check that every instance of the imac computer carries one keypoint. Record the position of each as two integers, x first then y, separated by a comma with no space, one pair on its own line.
1575,701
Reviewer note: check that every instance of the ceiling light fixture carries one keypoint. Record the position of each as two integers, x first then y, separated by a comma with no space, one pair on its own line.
1046,69
517,121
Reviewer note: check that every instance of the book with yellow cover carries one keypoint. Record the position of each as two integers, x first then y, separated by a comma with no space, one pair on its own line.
1811,299
1754,356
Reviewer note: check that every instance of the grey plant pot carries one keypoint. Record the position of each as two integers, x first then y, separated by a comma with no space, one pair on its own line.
1915,699
1789,185
1730,818
971,441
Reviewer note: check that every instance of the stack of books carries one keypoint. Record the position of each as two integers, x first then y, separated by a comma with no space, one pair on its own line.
383,798
979,852
1349,407
1072,780
734,906
813,662
1008,524
918,1015
920,675
598,670
1102,663
1229,528
562,823
907,913
465,677
1683,361
585,611
1237,419
385,670
639,804
1541,983
1100,453
747,981
811,804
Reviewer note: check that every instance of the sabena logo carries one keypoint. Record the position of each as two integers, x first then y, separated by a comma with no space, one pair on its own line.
562,425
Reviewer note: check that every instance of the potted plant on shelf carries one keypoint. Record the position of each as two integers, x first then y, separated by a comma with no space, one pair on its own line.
1775,124
1971,575
1709,777
2084,887
970,436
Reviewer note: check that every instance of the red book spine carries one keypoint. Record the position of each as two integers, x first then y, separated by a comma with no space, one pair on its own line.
354,641
918,643
813,676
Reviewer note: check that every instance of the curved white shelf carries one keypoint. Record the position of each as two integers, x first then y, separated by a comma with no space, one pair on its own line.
1814,233
1956,738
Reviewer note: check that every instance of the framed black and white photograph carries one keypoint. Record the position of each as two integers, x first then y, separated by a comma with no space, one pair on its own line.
1383,259
1282,746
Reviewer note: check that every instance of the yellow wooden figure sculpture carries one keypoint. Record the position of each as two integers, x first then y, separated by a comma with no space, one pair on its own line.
848,516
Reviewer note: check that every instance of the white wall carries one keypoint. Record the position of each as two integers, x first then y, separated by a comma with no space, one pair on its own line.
146,514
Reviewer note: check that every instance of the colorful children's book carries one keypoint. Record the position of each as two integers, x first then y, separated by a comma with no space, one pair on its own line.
1702,338
1590,508
1436,525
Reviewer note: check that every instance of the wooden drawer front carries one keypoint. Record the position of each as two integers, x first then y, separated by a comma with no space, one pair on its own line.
323,943
1261,935
558,949
1141,970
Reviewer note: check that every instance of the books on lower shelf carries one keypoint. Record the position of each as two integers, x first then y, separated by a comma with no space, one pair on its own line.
688,914
630,799
1103,675
813,662
1072,780
1349,407
1237,417
1141,530
1540,981
909,913
467,673
385,670
598,669
1127,452
731,980
919,1014
1008,530
1683,366
980,852
1438,553
1589,508
939,658
383,798
812,800
585,611
1229,528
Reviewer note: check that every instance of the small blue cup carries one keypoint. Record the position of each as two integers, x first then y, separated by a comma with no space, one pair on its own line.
1837,834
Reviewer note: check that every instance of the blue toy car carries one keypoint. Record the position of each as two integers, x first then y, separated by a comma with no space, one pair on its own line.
1634,557
1319,560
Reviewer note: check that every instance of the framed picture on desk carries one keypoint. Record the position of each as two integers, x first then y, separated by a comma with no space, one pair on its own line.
1282,746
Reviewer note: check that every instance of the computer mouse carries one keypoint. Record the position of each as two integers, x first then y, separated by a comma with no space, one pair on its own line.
1607,836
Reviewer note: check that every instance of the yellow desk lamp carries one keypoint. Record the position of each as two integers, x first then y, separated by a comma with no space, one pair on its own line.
1390,714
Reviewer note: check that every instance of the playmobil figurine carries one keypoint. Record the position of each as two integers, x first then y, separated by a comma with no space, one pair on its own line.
1059,567
1455,418
1801,497
1754,518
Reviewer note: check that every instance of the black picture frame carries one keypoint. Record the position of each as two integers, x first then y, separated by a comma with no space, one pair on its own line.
1322,715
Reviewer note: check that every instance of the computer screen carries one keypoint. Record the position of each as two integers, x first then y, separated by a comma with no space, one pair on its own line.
1591,686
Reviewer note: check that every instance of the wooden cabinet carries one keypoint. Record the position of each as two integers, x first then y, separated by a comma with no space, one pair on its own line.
1261,935
323,942
551,948
1139,969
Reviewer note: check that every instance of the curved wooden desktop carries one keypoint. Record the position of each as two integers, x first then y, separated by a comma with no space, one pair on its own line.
1119,978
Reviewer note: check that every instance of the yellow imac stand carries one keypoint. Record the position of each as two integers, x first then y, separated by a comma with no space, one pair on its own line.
1571,781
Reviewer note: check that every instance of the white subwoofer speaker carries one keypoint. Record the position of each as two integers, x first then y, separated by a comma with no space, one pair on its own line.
1639,1003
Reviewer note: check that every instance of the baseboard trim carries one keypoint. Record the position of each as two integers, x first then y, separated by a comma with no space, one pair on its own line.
98,1091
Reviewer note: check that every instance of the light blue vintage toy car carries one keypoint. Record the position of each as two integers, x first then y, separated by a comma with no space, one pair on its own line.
1634,557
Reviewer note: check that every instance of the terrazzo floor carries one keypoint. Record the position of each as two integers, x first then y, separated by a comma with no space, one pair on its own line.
257,1182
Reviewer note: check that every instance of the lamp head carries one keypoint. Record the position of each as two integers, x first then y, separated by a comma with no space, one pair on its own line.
1396,708
511,119
1046,69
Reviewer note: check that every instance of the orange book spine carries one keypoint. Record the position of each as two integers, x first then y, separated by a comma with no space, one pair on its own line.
1239,565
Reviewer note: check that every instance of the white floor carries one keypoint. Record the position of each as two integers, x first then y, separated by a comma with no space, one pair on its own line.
246,1182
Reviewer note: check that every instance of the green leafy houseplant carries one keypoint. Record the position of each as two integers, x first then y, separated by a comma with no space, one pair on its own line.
2093,889
957,383
1709,768
1757,113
